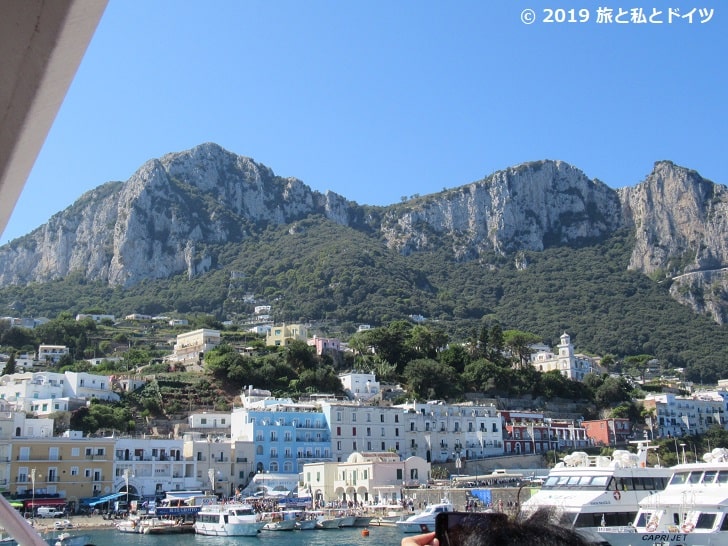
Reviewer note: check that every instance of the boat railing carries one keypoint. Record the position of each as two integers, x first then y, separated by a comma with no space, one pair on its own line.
617,529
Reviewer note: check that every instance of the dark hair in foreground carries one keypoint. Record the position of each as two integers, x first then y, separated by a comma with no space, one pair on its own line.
498,530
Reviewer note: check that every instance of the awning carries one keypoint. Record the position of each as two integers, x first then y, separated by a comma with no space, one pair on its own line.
30,503
107,498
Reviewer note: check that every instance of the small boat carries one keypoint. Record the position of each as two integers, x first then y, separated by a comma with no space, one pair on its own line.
67,539
64,524
306,524
228,520
157,526
276,521
362,521
327,520
424,522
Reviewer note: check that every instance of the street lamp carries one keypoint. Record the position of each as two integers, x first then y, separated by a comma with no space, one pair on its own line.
683,452
126,480
211,475
32,480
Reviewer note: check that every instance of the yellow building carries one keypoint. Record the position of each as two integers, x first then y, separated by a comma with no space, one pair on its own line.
60,471
280,336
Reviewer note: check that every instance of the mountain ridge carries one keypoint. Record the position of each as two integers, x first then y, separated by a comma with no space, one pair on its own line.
173,212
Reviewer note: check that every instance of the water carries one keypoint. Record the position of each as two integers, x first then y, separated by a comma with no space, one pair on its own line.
350,536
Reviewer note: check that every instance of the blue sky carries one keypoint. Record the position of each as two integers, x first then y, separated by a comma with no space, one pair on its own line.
377,99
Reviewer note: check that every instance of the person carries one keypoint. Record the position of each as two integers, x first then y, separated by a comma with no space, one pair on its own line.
494,529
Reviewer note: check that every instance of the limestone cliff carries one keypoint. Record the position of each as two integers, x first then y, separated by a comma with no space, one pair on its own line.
164,220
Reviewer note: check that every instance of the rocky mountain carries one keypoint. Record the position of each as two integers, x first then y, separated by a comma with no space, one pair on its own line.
167,218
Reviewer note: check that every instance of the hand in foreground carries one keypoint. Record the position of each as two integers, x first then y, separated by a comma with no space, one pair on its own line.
427,539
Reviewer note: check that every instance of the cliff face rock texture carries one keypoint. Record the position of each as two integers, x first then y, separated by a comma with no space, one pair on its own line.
164,219
680,223
528,207
158,223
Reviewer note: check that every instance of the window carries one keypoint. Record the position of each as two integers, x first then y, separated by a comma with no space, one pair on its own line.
86,472
338,431
399,473
381,418
74,471
396,418
203,421
353,417
353,431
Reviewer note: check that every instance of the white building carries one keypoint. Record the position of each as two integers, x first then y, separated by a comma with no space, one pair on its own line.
209,421
152,466
682,415
95,318
369,478
361,386
47,392
51,353
191,345
440,432
569,364
87,386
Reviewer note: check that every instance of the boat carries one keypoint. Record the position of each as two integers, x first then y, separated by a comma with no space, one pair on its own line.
64,524
424,521
228,520
362,521
306,523
67,539
130,525
691,511
159,526
327,519
587,492
183,503
277,521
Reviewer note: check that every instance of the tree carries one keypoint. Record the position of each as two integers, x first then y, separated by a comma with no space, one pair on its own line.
430,379
612,391
10,365
641,363
519,343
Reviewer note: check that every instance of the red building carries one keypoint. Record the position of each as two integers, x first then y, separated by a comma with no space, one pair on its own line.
608,432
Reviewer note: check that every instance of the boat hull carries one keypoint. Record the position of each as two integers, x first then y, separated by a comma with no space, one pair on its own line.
229,530
415,526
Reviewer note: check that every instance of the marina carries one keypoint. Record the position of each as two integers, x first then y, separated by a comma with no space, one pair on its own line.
348,536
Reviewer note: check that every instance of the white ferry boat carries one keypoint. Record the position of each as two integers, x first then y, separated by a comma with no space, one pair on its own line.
228,520
424,522
691,511
587,492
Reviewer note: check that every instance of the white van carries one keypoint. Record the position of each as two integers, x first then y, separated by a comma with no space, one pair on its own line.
49,512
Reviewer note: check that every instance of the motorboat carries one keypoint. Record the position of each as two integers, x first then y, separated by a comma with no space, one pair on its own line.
691,511
277,521
587,492
424,521
68,539
228,520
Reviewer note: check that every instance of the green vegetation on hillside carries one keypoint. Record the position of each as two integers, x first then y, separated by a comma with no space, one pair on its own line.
337,277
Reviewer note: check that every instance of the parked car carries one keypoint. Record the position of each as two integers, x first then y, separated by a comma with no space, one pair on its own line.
48,512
